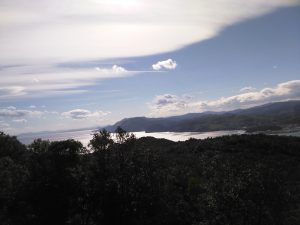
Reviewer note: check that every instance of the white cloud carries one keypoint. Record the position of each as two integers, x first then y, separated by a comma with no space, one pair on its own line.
20,121
119,69
289,90
21,81
79,114
165,105
169,64
11,91
169,104
42,34
247,89
4,124
64,30
115,69
5,127
13,112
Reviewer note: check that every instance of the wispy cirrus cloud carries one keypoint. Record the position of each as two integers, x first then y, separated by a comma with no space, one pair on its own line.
11,90
37,81
38,35
63,30
167,104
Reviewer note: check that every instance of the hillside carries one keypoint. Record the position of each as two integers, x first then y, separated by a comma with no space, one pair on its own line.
241,179
272,116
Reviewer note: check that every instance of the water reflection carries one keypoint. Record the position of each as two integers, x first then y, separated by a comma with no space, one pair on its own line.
85,135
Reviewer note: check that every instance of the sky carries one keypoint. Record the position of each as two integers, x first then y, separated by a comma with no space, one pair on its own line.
73,64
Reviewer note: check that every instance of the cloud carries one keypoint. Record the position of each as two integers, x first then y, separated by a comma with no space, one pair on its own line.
11,91
115,69
63,30
20,121
119,69
169,64
13,112
4,125
247,89
168,104
80,114
39,81
289,90
164,105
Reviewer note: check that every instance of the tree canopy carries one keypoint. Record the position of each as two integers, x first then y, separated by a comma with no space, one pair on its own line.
245,179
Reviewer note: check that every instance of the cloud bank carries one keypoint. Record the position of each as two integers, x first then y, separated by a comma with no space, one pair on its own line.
164,105
63,30
39,81
38,35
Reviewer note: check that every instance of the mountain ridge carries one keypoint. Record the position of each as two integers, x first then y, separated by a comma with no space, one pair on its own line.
270,116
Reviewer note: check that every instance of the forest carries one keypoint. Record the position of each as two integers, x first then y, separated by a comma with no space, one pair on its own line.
229,180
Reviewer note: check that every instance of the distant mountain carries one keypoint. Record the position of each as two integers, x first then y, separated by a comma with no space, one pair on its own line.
271,116
273,109
136,124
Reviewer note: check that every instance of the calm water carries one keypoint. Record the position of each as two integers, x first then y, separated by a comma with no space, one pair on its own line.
85,135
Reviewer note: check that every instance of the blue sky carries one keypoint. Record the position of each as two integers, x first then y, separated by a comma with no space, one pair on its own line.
75,64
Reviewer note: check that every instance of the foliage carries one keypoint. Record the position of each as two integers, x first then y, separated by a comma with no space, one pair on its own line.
246,179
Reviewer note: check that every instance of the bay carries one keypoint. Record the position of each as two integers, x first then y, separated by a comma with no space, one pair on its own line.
85,136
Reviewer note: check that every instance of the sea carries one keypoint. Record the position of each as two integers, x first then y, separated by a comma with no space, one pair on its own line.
84,136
